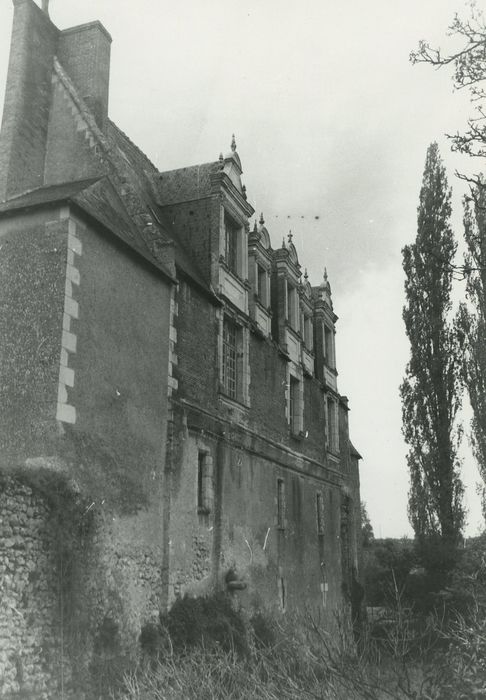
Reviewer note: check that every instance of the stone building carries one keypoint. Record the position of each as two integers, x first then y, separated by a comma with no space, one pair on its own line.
170,422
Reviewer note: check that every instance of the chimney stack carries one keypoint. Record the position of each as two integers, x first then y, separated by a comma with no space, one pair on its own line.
84,52
27,100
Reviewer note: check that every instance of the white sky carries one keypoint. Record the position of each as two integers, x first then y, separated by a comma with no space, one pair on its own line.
332,124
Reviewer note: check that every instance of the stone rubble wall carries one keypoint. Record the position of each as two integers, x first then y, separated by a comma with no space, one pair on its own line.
31,658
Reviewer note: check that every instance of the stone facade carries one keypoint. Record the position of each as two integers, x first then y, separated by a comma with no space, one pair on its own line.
171,423
30,652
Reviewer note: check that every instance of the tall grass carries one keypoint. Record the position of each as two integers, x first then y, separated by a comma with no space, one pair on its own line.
204,650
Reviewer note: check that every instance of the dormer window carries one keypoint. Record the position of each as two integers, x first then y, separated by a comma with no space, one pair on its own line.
262,285
329,347
231,244
308,332
292,307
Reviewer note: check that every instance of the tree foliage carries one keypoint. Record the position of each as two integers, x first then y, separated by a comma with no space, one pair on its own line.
472,322
431,390
468,61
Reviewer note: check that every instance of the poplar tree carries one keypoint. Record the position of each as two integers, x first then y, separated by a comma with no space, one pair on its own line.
467,59
431,390
472,322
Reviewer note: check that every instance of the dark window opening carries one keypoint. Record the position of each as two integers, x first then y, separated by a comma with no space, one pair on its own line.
230,359
320,513
280,504
282,594
328,346
204,482
231,230
294,402
262,284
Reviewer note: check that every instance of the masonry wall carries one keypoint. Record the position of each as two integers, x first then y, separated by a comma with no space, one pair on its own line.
28,94
197,349
289,567
268,385
31,658
196,222
241,533
32,280
250,450
70,148
84,344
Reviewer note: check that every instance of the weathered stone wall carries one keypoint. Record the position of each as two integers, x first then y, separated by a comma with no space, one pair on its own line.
292,566
78,585
31,655
32,279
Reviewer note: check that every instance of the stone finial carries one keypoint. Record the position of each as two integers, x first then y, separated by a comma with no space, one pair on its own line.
290,236
243,189
220,158
45,6
306,276
262,220
233,143
326,280
255,227
283,243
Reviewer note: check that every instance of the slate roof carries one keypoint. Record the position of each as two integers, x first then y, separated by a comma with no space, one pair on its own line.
185,184
148,182
125,199
98,198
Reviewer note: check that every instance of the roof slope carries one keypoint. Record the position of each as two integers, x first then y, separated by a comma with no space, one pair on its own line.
186,184
109,177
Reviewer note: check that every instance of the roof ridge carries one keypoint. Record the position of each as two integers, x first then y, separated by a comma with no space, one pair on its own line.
188,167
133,144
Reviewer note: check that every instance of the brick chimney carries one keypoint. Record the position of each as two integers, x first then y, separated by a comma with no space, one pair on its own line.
27,99
84,52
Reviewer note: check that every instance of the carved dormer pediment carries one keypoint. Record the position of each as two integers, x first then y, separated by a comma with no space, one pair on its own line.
286,259
264,235
259,269
306,288
231,166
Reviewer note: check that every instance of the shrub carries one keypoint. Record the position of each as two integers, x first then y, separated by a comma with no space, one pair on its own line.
196,622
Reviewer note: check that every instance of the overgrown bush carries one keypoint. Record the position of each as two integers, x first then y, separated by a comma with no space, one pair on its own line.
206,622
408,654
386,563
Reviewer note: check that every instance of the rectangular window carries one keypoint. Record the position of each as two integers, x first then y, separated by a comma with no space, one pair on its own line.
280,504
328,346
204,482
332,425
262,284
320,513
282,594
308,331
292,307
231,234
230,359
294,404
